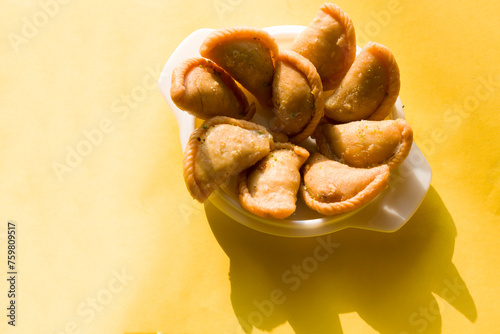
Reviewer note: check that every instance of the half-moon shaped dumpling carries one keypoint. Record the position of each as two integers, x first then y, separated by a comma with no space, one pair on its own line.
369,89
269,189
247,54
331,187
297,97
365,144
220,148
329,42
205,90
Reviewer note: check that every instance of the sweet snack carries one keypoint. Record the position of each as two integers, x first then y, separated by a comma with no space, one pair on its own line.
222,147
368,90
330,187
205,90
269,189
366,144
316,89
297,97
329,42
248,55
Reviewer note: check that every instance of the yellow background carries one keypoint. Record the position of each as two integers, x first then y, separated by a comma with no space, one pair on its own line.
115,244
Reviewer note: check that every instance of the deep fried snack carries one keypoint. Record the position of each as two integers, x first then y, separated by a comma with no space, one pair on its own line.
220,148
297,97
247,54
366,144
330,187
369,89
329,42
269,189
205,90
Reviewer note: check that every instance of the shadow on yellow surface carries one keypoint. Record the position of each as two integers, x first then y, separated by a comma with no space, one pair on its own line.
390,280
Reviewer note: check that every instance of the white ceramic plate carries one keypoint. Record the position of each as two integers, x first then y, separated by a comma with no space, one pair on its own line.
386,213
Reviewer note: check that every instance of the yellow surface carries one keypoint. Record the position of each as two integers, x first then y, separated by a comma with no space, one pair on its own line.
109,240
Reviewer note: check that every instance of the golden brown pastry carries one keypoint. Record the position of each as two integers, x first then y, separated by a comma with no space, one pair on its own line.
247,54
269,189
220,148
205,90
365,144
331,188
297,97
329,42
369,89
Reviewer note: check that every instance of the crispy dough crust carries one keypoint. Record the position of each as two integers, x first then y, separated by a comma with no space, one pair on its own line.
373,113
220,36
309,71
393,84
350,54
237,33
349,49
404,147
371,191
191,150
250,203
396,159
323,143
177,88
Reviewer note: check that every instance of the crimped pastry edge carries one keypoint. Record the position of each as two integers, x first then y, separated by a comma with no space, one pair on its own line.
396,159
340,16
189,157
304,66
371,191
177,88
248,202
394,83
239,32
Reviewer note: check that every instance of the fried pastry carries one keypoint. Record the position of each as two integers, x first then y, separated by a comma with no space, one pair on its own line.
220,148
369,89
247,54
269,189
366,144
329,42
205,90
297,97
330,187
